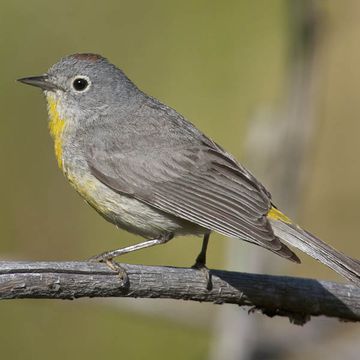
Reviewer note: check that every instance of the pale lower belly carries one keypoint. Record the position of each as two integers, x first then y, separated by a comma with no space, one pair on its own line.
130,214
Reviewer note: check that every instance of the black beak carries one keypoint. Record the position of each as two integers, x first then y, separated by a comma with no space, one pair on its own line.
39,81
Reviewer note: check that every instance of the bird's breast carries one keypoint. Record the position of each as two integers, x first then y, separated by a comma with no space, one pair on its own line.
56,128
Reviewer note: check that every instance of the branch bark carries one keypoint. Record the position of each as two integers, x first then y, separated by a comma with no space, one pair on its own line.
296,298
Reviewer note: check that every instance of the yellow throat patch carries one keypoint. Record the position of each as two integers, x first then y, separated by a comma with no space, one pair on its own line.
56,127
275,214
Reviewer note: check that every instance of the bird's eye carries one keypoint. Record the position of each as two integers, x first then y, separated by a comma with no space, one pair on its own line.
80,84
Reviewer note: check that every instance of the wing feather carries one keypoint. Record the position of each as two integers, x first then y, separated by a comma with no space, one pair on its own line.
187,175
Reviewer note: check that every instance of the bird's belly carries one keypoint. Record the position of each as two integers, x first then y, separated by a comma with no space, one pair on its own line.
128,213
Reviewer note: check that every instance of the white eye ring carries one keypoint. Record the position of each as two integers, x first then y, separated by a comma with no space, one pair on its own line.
81,83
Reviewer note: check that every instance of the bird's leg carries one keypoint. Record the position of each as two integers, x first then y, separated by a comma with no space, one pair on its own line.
200,262
108,256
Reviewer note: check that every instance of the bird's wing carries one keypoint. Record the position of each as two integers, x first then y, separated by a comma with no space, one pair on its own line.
196,181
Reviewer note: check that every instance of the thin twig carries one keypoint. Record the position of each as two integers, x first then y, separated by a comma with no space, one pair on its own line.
296,298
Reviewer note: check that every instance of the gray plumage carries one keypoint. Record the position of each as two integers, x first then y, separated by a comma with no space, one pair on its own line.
157,157
153,173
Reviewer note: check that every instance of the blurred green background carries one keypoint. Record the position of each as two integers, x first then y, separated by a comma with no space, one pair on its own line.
217,63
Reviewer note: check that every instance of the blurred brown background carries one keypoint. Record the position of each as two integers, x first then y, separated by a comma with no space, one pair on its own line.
269,80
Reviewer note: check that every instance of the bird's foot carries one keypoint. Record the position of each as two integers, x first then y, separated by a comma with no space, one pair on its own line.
111,264
206,273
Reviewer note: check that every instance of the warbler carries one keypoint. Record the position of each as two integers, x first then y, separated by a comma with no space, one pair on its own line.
146,169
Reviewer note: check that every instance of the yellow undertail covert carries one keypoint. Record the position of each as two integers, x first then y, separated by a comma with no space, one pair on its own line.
275,214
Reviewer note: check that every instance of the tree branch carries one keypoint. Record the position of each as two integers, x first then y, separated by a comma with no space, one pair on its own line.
296,298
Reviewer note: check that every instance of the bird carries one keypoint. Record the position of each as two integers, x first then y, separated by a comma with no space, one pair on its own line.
148,170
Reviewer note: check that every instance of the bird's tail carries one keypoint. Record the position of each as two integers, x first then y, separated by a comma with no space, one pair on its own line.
293,235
